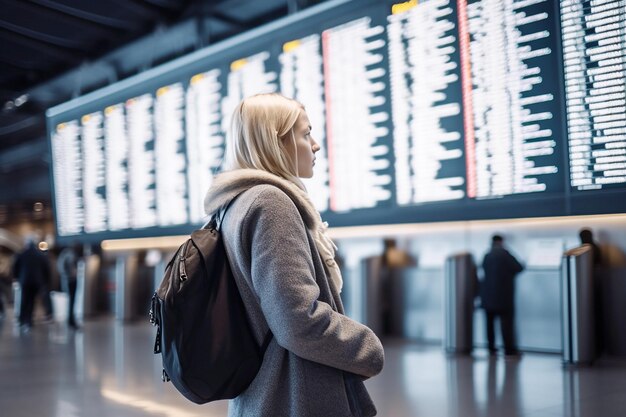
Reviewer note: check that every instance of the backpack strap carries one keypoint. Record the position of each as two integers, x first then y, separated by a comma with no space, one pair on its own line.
216,219
216,223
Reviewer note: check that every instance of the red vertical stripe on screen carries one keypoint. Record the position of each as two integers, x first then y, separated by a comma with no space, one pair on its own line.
329,129
466,82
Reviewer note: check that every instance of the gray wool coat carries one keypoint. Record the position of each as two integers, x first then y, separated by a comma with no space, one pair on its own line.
318,358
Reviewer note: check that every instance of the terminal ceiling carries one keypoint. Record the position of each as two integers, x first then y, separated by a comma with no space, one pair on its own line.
54,50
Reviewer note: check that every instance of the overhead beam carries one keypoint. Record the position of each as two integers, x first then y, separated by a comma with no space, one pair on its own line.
34,186
22,124
230,20
25,154
166,4
268,16
148,11
80,16
72,57
19,64
43,37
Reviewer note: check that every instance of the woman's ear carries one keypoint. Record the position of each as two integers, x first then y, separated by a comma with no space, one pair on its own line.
287,138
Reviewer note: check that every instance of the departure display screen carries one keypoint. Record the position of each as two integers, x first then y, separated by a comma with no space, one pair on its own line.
425,111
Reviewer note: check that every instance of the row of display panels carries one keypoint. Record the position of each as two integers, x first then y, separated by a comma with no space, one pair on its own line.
442,110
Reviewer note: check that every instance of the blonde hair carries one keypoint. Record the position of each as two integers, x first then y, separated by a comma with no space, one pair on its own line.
259,127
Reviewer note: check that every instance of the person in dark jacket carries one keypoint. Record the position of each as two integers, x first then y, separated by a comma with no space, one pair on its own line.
586,238
498,294
32,270
67,265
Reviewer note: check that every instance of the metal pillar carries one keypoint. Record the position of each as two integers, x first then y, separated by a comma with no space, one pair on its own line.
372,268
459,292
88,276
125,283
577,328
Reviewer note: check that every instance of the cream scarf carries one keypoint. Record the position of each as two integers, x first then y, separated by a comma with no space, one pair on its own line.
230,184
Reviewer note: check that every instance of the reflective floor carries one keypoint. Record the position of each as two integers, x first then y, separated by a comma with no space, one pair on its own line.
108,369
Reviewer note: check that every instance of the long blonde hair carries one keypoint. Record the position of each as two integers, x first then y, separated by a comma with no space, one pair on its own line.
259,127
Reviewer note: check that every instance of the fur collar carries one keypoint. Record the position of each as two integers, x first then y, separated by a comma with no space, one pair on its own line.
229,184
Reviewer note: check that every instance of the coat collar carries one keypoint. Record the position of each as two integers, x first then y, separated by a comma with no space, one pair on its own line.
229,184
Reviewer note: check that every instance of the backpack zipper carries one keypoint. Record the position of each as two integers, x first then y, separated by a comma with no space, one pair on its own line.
182,272
154,320
153,309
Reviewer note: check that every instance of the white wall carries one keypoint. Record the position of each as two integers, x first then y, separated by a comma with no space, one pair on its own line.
430,243
541,240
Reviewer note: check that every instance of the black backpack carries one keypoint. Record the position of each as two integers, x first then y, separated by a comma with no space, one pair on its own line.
208,349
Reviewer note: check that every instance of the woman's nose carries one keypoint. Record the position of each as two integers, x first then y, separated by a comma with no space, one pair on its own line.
316,147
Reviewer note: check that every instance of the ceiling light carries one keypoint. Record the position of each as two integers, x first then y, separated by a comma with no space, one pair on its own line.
21,100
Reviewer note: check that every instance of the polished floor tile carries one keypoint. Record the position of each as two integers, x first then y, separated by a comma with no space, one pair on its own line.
108,369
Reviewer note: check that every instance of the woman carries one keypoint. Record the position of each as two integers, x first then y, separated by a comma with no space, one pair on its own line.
284,267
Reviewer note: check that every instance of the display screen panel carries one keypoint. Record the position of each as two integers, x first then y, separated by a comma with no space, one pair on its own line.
425,111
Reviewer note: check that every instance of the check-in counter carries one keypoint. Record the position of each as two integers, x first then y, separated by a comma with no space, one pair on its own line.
537,309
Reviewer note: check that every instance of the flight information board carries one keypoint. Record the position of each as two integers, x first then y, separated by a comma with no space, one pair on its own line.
510,130
594,56
424,111
425,83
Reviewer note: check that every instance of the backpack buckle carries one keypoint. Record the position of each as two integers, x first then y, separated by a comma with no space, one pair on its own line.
153,308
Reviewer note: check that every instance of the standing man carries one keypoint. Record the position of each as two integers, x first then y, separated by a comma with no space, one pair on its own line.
586,238
67,265
498,294
32,270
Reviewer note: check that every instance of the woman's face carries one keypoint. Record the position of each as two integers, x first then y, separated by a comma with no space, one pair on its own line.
303,147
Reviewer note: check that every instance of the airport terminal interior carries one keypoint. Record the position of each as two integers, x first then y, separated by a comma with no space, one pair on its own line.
451,133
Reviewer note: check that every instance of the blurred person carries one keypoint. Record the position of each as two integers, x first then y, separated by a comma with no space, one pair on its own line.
586,238
32,269
46,296
599,289
284,266
498,295
67,265
5,279
393,260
